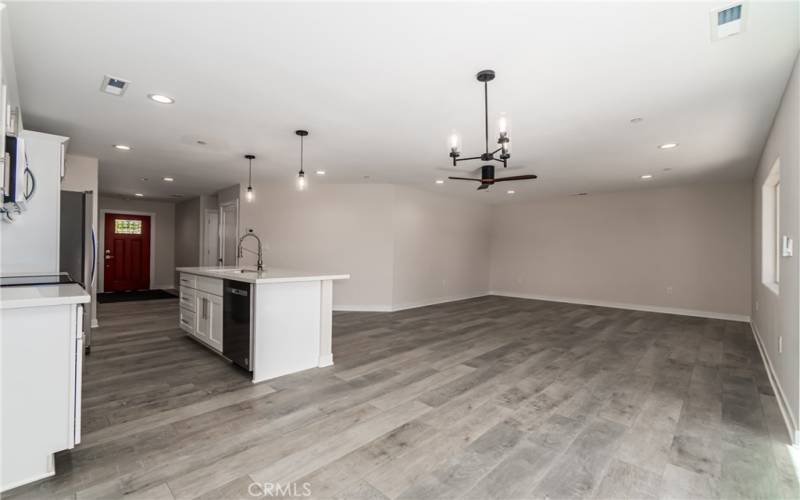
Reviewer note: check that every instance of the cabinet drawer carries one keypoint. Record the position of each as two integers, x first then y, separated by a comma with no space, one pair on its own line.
189,280
209,285
186,320
187,296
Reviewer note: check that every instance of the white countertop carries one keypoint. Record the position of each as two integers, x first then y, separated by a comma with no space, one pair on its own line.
269,275
12,297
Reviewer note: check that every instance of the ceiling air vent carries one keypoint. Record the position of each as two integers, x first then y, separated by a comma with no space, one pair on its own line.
114,86
727,22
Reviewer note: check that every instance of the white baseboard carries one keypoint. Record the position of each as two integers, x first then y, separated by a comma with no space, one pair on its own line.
786,410
409,305
95,323
438,300
620,305
163,287
325,360
356,308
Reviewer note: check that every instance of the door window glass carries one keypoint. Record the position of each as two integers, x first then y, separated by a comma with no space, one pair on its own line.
127,226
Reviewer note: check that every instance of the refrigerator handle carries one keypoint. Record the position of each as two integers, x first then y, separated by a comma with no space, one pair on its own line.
94,259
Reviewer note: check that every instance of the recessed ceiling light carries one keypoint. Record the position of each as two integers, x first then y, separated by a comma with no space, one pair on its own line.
439,181
320,172
144,179
161,99
122,147
138,195
202,143
168,179
638,119
646,177
668,145
510,191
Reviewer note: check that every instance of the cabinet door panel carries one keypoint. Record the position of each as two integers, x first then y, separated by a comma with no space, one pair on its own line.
201,315
215,322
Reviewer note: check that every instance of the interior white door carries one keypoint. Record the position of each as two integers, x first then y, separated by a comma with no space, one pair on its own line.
211,243
229,233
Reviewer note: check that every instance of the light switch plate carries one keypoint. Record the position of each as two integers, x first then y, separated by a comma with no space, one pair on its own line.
787,246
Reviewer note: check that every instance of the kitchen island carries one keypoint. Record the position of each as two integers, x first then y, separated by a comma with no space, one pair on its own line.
272,322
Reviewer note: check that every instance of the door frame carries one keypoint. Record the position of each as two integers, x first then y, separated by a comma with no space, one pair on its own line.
101,221
235,204
211,211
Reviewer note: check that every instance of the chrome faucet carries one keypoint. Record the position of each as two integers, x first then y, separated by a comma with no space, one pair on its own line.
241,248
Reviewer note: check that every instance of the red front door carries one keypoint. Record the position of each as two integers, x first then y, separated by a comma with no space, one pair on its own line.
127,252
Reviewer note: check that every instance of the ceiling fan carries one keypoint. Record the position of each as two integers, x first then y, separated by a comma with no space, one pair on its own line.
487,177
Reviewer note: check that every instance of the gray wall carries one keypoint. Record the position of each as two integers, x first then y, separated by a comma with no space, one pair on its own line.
187,233
777,316
683,248
164,233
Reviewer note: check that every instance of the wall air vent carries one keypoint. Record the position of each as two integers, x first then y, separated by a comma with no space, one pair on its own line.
727,22
114,86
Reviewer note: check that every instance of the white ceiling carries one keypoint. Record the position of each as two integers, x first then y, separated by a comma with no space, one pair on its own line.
381,86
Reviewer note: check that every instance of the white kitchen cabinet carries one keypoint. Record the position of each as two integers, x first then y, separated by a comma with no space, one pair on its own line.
208,319
214,321
41,360
201,309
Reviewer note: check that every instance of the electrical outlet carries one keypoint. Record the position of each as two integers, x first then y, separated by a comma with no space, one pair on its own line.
756,305
669,290
444,283
780,344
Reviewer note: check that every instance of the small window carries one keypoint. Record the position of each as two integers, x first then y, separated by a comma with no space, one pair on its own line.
771,228
127,226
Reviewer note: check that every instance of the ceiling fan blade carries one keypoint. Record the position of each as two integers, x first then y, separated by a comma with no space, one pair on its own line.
483,186
464,179
517,178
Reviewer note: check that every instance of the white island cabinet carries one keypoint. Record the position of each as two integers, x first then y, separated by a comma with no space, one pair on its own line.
289,313
41,333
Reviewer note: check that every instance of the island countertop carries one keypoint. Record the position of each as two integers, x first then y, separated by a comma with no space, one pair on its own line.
268,275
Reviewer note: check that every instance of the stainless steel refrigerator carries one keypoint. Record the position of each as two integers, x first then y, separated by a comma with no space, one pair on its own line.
78,248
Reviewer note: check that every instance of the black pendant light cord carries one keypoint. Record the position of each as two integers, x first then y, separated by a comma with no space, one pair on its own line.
250,174
486,113
301,156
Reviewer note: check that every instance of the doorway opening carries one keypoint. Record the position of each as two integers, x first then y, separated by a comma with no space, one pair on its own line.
126,252
229,233
211,256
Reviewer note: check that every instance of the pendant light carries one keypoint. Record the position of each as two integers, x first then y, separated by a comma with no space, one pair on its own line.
250,196
302,183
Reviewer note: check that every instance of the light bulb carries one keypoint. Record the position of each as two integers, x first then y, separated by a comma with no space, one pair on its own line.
301,182
454,142
502,124
250,196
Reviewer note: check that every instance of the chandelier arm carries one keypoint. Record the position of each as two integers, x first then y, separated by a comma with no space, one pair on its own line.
465,159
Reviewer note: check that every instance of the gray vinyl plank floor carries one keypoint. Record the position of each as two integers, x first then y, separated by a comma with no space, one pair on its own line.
487,398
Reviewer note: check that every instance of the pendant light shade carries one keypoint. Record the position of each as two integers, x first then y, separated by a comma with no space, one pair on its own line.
302,182
250,196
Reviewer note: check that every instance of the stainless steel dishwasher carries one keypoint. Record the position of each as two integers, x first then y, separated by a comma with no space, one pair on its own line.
237,339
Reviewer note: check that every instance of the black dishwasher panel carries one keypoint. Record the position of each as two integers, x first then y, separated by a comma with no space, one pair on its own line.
236,339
